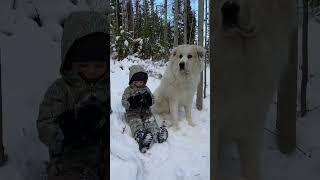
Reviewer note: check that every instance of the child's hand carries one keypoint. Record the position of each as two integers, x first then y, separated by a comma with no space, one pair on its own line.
135,101
91,104
132,103
138,98
147,99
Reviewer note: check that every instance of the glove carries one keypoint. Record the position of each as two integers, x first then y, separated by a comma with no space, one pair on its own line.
82,121
91,116
135,101
92,108
67,124
147,99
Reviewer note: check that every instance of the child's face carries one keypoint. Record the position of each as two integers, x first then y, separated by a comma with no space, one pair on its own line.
138,83
91,70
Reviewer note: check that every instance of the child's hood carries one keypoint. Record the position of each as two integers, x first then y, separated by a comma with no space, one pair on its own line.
135,69
77,25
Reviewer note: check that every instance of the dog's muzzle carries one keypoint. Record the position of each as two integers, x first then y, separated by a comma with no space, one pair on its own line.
182,66
230,12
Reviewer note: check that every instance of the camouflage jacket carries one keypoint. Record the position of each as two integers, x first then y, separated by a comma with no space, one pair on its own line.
131,90
66,91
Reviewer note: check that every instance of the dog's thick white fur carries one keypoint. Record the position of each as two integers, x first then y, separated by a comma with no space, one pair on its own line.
251,52
179,83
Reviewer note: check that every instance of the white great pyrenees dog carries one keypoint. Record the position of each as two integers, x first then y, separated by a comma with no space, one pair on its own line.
253,40
179,83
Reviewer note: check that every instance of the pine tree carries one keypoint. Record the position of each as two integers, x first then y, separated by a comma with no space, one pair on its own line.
143,28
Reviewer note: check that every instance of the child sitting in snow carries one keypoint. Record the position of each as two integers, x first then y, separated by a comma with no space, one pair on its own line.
72,115
137,99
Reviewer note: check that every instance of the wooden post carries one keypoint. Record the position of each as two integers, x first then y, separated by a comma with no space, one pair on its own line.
3,156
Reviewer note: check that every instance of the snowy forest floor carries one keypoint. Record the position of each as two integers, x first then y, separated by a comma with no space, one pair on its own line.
186,154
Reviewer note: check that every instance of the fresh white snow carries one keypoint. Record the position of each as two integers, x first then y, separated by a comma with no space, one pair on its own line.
184,156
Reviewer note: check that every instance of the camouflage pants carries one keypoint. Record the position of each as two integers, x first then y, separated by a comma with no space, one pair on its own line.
145,121
74,166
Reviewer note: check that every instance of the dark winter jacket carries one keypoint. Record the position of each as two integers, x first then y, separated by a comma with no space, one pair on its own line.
66,92
132,90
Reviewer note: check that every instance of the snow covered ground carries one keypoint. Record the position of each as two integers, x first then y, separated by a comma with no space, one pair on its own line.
30,58
185,156
299,166
304,163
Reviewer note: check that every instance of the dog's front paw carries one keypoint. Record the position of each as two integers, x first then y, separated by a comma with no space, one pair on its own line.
191,123
176,126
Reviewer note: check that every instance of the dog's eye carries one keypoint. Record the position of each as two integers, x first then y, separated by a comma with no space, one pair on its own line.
189,56
180,56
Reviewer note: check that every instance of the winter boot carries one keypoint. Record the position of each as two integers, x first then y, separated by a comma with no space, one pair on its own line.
144,139
162,135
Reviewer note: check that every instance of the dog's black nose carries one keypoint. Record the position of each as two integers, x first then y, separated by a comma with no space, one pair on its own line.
181,65
230,12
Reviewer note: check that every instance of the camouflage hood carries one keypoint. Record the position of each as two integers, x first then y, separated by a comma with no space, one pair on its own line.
134,69
78,25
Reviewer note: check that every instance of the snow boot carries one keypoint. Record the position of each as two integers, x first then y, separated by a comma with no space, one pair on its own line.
162,135
144,139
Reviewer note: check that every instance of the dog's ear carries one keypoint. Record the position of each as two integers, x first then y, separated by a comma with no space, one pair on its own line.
201,51
173,52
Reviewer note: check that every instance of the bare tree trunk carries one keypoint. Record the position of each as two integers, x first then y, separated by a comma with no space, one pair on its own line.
206,46
176,19
146,18
152,7
124,16
304,66
165,32
130,18
117,17
14,4
199,100
286,108
185,22
3,156
287,97
137,17
190,33
152,18
200,23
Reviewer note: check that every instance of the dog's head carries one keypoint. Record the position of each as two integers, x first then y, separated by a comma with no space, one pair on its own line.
187,59
242,17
